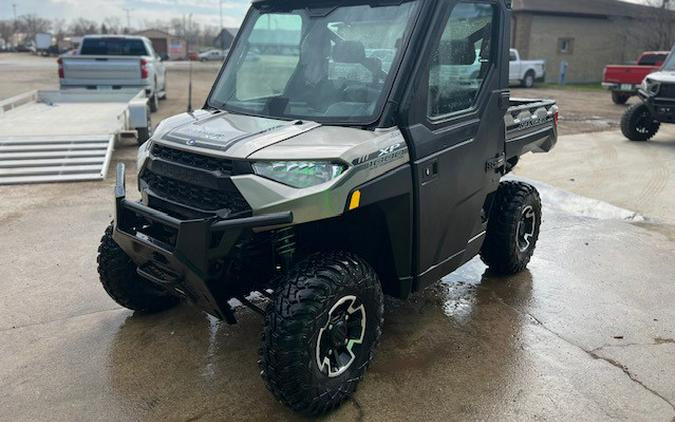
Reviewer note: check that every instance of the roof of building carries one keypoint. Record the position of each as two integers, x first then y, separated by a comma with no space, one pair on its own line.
602,8
153,31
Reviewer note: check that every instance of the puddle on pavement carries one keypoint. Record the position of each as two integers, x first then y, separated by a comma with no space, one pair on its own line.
187,361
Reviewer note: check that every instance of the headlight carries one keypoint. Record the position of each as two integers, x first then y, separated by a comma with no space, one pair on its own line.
299,174
650,86
143,154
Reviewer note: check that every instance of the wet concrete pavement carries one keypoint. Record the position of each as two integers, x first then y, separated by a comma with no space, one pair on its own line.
586,334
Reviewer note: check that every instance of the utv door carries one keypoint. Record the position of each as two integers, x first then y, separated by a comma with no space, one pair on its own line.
455,126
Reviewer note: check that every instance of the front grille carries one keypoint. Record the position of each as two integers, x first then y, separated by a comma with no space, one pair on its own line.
667,91
182,183
193,160
194,196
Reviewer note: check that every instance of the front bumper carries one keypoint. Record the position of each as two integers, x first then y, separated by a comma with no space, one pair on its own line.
185,267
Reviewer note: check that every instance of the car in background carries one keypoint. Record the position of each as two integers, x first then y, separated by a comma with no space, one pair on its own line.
115,62
525,72
212,55
623,81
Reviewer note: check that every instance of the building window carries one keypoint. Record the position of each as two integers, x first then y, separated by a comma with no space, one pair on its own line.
566,45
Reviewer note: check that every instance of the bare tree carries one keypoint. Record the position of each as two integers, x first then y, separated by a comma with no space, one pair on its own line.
113,24
31,25
82,26
661,18
6,30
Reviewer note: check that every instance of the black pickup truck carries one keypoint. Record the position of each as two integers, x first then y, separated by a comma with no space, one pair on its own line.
345,152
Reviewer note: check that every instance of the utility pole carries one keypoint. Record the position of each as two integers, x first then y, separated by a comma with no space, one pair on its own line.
222,35
16,23
128,17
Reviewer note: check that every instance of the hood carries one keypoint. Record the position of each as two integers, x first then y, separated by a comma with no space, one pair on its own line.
667,76
234,136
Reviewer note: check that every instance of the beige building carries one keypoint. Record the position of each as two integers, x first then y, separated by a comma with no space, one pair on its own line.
587,34
165,44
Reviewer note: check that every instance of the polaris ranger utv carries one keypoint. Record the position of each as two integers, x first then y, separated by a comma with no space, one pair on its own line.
643,120
344,152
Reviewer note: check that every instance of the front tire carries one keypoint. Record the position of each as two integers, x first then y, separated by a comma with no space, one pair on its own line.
638,124
123,284
513,228
321,331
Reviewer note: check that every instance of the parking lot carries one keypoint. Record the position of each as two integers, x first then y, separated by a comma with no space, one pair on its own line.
587,333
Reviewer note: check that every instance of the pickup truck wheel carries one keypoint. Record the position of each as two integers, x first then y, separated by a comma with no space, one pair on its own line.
123,284
619,98
638,124
528,80
513,228
321,331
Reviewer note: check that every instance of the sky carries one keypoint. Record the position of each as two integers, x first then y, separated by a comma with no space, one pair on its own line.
206,12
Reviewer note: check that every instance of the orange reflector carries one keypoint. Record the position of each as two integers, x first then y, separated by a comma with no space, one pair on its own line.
356,200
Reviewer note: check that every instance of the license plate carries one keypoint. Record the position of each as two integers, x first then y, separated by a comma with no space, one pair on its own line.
105,87
626,87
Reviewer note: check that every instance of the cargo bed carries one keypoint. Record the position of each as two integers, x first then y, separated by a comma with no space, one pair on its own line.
531,126
54,136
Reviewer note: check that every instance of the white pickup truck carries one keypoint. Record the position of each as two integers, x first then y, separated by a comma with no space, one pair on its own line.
115,62
525,72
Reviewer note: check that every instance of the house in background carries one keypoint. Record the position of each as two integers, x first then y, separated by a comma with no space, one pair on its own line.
587,34
165,44
225,38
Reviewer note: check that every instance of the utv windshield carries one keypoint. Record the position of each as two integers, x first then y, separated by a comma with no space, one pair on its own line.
333,64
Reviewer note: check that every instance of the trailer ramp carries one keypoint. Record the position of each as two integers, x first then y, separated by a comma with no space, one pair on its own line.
55,159
63,136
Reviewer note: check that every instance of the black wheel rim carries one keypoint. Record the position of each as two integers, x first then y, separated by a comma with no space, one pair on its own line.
644,122
526,228
340,340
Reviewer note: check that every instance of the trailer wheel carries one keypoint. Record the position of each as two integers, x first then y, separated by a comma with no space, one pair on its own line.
619,98
321,331
143,134
638,124
123,284
153,102
513,228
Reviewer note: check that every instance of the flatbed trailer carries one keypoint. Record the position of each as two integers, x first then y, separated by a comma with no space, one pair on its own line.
62,136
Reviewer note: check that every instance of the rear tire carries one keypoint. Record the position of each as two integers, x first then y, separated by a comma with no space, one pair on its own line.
528,80
123,284
513,228
619,98
311,356
637,123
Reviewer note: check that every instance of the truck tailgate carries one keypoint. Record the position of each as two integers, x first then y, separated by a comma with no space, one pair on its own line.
101,71
627,74
531,126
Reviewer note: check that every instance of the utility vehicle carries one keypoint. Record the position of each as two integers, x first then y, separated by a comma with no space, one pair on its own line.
323,178
657,92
